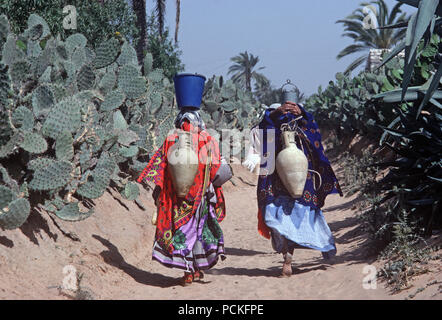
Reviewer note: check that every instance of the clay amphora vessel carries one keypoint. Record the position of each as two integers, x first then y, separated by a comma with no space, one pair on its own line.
183,164
292,166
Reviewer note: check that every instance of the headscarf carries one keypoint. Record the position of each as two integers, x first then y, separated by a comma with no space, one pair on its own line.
192,116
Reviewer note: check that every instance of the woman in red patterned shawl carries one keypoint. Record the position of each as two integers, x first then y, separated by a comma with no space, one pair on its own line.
188,235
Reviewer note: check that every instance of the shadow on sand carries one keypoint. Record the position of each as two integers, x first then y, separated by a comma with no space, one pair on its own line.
36,224
242,252
272,272
344,206
6,242
114,258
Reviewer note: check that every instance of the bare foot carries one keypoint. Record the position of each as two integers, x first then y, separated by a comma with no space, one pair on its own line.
286,270
287,266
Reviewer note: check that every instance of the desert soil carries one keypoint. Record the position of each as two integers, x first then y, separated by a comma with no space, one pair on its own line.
112,256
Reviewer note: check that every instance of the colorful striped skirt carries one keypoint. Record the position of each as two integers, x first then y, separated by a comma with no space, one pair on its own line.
198,244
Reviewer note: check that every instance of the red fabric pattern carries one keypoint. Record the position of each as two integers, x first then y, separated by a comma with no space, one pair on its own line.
174,212
262,227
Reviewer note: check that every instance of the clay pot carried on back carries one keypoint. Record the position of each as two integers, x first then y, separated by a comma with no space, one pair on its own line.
183,164
292,166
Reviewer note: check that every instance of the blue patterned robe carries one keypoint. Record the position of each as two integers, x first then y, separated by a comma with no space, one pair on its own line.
297,222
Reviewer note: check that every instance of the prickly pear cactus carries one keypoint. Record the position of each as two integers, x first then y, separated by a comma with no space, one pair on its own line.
81,119
226,106
14,211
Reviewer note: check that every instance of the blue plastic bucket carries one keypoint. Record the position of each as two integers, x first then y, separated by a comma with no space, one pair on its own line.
189,89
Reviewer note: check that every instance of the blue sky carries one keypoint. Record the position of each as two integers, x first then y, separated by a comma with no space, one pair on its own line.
294,39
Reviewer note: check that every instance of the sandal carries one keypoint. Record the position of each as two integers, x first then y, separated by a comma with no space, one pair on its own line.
198,275
186,280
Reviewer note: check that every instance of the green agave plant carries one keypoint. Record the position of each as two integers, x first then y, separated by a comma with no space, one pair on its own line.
424,26
404,99
414,183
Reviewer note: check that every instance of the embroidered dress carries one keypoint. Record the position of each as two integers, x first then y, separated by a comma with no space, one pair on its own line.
198,244
188,235
295,223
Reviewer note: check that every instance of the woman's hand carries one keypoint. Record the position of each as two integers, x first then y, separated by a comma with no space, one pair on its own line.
288,107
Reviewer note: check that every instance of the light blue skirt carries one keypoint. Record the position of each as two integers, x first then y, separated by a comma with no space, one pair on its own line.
294,225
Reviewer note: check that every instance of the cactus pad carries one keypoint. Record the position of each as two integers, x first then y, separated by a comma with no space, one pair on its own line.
211,106
128,152
156,75
148,62
62,52
106,53
4,29
10,51
35,32
127,137
5,84
24,189
11,145
128,55
51,174
96,184
156,100
42,100
119,121
15,214
132,84
71,212
75,41
138,166
85,157
228,92
37,27
229,106
20,70
34,143
85,78
131,191
64,116
6,196
5,178
64,149
46,76
79,57
113,100
107,83
39,163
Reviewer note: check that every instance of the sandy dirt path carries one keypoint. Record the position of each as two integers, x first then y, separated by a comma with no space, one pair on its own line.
113,257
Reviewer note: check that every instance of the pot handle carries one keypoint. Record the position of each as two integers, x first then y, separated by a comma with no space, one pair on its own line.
288,83
320,179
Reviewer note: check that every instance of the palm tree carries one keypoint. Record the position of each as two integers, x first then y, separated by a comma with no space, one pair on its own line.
139,7
366,37
243,72
160,11
177,19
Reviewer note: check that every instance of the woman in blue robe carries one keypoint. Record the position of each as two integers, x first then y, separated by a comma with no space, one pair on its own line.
294,223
